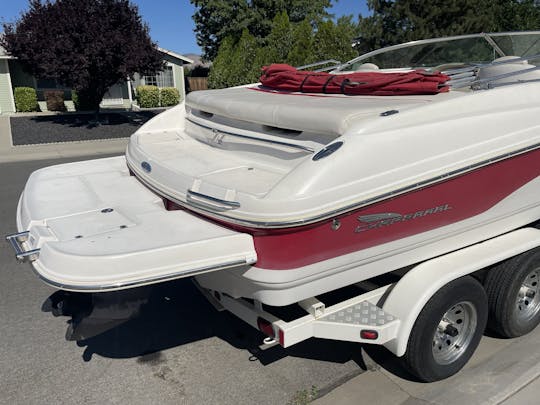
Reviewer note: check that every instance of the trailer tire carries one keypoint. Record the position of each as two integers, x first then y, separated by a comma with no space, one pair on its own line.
447,330
513,291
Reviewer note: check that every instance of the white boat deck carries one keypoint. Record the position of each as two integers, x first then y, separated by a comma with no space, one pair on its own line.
97,228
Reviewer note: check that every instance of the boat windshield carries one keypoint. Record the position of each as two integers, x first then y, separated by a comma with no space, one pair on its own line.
459,50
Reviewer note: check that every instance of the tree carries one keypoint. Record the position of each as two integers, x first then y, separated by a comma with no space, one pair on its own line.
280,38
334,40
518,15
219,73
301,52
397,21
88,45
233,64
241,69
240,62
217,19
279,41
277,46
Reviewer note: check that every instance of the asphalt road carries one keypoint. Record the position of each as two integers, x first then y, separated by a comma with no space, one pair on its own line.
178,350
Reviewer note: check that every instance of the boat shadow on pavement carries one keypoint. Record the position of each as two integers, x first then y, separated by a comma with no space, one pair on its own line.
174,314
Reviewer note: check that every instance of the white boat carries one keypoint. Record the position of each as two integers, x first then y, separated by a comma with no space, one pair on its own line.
280,196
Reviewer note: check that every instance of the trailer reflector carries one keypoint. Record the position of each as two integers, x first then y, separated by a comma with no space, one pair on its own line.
265,327
281,337
369,334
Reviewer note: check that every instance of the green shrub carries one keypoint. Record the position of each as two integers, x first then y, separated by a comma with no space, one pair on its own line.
55,100
80,103
169,96
148,96
75,99
25,99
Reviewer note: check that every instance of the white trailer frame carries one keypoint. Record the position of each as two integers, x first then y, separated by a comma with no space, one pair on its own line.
385,315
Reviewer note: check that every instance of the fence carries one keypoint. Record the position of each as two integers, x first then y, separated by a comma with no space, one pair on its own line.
198,83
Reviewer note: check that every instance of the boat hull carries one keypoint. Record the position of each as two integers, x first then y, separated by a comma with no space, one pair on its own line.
279,287
441,204
291,263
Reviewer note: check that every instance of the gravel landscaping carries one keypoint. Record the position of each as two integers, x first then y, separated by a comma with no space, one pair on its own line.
76,127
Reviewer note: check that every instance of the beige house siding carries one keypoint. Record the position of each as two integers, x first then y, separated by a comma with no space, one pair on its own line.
178,74
6,96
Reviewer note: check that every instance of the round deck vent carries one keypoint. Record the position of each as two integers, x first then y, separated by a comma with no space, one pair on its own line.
327,151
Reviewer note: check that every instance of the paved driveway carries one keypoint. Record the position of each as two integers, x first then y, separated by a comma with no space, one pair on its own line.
179,350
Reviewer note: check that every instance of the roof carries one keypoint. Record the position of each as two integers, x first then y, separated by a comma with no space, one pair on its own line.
175,55
4,55
197,61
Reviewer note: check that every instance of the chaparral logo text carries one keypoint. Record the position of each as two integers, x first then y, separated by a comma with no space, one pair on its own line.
375,221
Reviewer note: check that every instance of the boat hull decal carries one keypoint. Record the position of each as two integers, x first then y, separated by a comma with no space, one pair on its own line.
454,200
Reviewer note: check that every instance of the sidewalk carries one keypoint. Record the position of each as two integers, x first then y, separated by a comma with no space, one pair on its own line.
10,153
502,372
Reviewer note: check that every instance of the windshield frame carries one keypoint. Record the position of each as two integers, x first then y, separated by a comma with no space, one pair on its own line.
488,37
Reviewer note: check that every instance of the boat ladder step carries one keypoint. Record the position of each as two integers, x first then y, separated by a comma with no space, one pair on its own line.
363,313
16,240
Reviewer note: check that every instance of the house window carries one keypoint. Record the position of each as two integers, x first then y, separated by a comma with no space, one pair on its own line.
161,79
48,84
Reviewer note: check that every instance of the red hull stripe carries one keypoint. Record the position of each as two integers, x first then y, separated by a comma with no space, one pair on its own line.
419,211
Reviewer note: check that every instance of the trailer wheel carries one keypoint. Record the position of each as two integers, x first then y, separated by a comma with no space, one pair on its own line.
448,330
513,290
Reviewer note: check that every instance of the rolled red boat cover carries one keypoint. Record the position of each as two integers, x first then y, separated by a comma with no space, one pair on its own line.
287,78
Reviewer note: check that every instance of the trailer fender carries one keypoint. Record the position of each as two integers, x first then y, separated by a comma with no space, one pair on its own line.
410,294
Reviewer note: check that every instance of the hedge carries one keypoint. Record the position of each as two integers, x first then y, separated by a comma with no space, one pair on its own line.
55,100
25,99
169,96
80,103
75,99
148,96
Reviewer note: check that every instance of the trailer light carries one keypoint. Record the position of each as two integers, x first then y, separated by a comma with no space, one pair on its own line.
281,337
369,334
265,327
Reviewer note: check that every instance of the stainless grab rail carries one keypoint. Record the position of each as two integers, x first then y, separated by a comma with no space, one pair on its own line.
16,241
485,83
207,201
467,76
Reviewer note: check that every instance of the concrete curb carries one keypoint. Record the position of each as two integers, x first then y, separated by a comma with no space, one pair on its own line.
499,371
10,153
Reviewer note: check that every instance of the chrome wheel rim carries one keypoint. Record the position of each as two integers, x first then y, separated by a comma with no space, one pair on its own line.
454,332
528,297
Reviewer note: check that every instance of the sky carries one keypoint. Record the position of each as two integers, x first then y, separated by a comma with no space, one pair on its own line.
170,21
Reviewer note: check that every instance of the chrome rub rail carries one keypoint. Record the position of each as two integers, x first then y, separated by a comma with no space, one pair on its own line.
343,210
142,281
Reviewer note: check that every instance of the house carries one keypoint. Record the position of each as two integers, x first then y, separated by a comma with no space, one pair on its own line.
120,95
